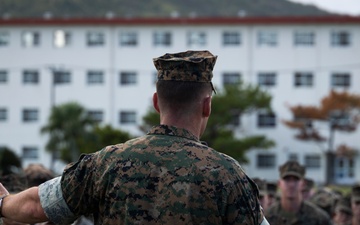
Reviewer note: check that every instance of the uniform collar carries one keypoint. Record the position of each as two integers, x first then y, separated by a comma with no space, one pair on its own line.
172,131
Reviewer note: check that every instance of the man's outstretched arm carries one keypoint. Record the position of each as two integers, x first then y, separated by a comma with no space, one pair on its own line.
23,207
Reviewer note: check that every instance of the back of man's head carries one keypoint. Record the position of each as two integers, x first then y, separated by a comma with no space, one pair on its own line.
184,78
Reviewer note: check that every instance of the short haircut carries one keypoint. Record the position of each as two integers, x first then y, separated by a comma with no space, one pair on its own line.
177,94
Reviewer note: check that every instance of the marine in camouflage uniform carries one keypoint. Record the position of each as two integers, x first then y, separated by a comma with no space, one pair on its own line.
355,204
165,177
306,213
342,211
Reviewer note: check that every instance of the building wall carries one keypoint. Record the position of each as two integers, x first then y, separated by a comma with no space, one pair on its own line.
248,59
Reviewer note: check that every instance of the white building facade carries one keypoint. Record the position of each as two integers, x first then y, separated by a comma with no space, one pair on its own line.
106,66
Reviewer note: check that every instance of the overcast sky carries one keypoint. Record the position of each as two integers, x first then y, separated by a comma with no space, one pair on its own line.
351,7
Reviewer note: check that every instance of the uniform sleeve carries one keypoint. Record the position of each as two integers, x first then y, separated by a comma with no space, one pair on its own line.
53,203
77,185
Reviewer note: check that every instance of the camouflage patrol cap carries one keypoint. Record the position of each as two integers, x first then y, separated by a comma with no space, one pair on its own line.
344,205
326,199
191,66
292,168
355,193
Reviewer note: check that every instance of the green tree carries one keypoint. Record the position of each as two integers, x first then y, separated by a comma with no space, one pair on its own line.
103,136
68,126
234,101
9,161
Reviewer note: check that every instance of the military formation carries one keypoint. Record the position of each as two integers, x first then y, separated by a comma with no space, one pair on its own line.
296,200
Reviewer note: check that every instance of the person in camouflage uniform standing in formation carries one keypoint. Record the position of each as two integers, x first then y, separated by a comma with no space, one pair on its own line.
342,211
165,177
355,204
292,209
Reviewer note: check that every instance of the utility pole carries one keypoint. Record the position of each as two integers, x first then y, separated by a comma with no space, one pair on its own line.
54,73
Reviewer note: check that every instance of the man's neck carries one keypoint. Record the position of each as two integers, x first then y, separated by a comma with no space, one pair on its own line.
191,124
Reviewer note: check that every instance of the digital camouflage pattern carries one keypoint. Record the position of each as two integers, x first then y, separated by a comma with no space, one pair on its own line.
192,66
292,168
165,177
309,214
325,198
344,205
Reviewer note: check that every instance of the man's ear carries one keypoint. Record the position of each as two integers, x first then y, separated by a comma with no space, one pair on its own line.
156,102
207,106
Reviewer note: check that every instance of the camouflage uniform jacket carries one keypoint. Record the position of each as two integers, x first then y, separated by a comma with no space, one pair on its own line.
165,177
309,214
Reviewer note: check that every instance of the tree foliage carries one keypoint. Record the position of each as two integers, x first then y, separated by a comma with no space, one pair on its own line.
9,161
103,136
341,110
68,126
232,102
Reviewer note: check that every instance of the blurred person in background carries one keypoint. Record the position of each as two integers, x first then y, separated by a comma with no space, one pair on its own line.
261,183
355,204
292,208
342,212
15,183
272,194
307,188
326,199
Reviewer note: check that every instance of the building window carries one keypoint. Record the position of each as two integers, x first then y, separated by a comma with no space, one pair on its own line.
267,39
4,39
267,79
3,114
128,39
340,38
293,157
30,39
304,38
30,153
340,80
231,38
95,77
62,39
162,39
235,119
196,39
128,78
30,77
266,120
312,161
95,39
265,161
231,78
62,77
3,76
303,79
96,115
30,115
127,117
